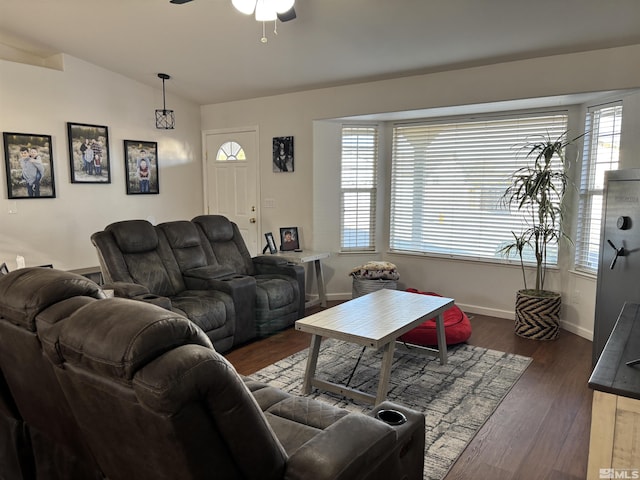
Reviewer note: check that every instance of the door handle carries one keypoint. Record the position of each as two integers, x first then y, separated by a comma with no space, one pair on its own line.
620,252
252,220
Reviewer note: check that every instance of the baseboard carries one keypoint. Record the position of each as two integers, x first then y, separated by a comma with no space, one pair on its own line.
490,312
576,329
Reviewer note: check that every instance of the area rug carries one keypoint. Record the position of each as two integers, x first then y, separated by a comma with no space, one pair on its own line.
456,399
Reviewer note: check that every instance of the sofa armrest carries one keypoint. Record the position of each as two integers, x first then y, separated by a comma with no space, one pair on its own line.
125,289
265,265
138,292
269,260
349,449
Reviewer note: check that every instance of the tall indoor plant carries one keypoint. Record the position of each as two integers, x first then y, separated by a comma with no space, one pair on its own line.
537,190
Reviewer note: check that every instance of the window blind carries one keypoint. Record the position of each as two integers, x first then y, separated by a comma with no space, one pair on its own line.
603,126
448,180
358,182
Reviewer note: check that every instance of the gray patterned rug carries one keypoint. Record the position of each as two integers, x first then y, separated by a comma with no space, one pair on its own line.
457,398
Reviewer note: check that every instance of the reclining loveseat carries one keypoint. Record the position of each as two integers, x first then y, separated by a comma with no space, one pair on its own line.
144,395
203,270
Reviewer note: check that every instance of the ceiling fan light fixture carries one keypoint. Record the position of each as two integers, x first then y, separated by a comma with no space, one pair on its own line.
244,6
265,11
282,6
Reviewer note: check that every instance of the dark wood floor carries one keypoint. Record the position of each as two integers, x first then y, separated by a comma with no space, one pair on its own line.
539,431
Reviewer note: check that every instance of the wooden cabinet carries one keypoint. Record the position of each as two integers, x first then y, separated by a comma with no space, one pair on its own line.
615,435
615,414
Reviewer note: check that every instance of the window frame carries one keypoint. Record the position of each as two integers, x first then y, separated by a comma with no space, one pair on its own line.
359,187
508,116
591,187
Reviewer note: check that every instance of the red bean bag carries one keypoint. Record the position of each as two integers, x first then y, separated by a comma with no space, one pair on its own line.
457,327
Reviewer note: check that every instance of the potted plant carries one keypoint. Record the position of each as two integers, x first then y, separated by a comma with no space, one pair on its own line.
537,190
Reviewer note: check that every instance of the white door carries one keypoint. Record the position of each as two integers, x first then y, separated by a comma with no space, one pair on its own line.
232,180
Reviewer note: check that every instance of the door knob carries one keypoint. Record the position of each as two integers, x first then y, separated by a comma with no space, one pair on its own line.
252,220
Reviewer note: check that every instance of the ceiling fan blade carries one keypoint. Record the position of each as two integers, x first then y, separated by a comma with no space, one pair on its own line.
179,2
288,15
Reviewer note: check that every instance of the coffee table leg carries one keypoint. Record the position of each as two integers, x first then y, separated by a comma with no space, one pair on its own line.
442,339
385,371
312,362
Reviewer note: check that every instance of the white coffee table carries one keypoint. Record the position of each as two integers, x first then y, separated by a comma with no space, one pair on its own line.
374,320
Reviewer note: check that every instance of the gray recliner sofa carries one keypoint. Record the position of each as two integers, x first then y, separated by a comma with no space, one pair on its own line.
203,270
150,398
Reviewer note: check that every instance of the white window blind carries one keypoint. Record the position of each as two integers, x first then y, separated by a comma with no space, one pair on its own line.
601,153
358,182
448,180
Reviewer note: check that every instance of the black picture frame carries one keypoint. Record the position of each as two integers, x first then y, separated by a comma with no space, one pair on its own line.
138,181
89,159
288,244
283,158
271,243
28,160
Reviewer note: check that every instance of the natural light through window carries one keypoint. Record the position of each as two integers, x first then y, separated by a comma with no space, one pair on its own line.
230,151
601,153
358,182
448,178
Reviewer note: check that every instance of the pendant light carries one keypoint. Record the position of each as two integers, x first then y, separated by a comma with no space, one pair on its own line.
165,119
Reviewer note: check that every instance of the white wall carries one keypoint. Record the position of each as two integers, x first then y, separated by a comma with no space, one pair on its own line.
39,100
307,197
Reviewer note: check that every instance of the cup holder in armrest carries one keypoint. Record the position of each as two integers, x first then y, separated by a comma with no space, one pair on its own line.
391,417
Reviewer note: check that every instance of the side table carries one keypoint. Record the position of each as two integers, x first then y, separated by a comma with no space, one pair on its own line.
308,256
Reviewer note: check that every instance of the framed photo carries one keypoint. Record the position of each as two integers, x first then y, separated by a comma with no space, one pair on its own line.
3,269
28,162
289,239
89,153
271,243
141,165
283,154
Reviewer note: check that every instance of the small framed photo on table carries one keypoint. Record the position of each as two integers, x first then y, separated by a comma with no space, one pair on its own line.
289,239
271,243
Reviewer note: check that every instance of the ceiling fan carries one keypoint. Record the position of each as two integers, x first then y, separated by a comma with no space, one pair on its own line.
264,9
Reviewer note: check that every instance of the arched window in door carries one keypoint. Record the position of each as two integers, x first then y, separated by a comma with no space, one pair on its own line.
230,152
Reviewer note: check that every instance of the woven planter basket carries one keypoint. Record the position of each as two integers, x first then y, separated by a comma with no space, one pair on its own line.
361,286
538,317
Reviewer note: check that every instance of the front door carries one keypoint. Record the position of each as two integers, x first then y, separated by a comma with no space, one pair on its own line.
232,180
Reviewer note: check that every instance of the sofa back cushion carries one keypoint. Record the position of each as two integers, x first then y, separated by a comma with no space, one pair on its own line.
29,297
134,251
227,246
157,401
186,244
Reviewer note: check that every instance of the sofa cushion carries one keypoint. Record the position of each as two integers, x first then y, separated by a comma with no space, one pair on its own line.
274,291
134,236
209,309
143,333
216,227
30,290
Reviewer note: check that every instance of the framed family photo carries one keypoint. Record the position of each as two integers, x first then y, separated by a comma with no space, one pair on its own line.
141,165
89,153
289,239
28,159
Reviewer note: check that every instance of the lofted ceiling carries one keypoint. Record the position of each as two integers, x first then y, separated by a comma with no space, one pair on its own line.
214,54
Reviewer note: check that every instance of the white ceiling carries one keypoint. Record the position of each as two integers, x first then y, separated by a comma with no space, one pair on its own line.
214,53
